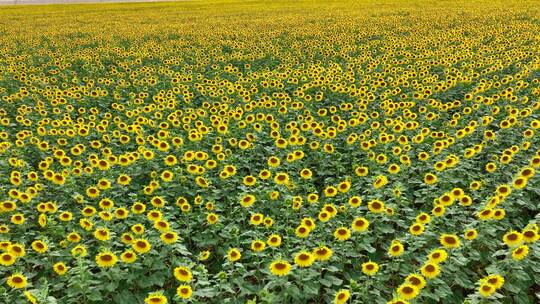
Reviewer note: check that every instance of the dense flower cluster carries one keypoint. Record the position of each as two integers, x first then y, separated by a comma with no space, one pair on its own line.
277,153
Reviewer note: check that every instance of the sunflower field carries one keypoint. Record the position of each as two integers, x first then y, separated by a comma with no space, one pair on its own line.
270,152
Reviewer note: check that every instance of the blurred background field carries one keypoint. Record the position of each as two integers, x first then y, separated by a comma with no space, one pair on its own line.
22,2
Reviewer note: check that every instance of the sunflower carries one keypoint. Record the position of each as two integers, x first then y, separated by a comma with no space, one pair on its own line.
330,191
499,214
330,209
204,255
16,249
123,179
265,174
302,231
470,234
530,235
141,246
17,219
361,171
121,213
17,281
491,167
449,240
513,238
39,246
495,280
485,214
184,291
430,270
423,218
438,256
30,297
416,280
169,237
281,178
280,268
247,200
408,291
5,229
380,181
126,238
304,259
138,208
519,183
7,259
274,240
322,253
342,296
268,222
370,268
249,180
527,172
256,219
312,198
344,186
92,192
430,179
475,185
416,229
438,210
398,301
79,251
233,255
360,224
486,290
376,206
394,169
396,248
182,274
102,234
152,215
465,200
273,161
324,216
447,199
503,190
355,201
342,233
128,256
520,252
60,268
106,259
306,173
258,245
155,298
309,223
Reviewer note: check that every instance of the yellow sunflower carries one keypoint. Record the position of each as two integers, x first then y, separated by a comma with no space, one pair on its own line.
155,298
342,296
280,268
182,274
408,291
304,259
106,259
449,240
370,268
184,291
60,268
233,255
17,281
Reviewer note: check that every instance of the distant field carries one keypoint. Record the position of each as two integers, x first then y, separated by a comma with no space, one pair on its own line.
272,152
22,2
